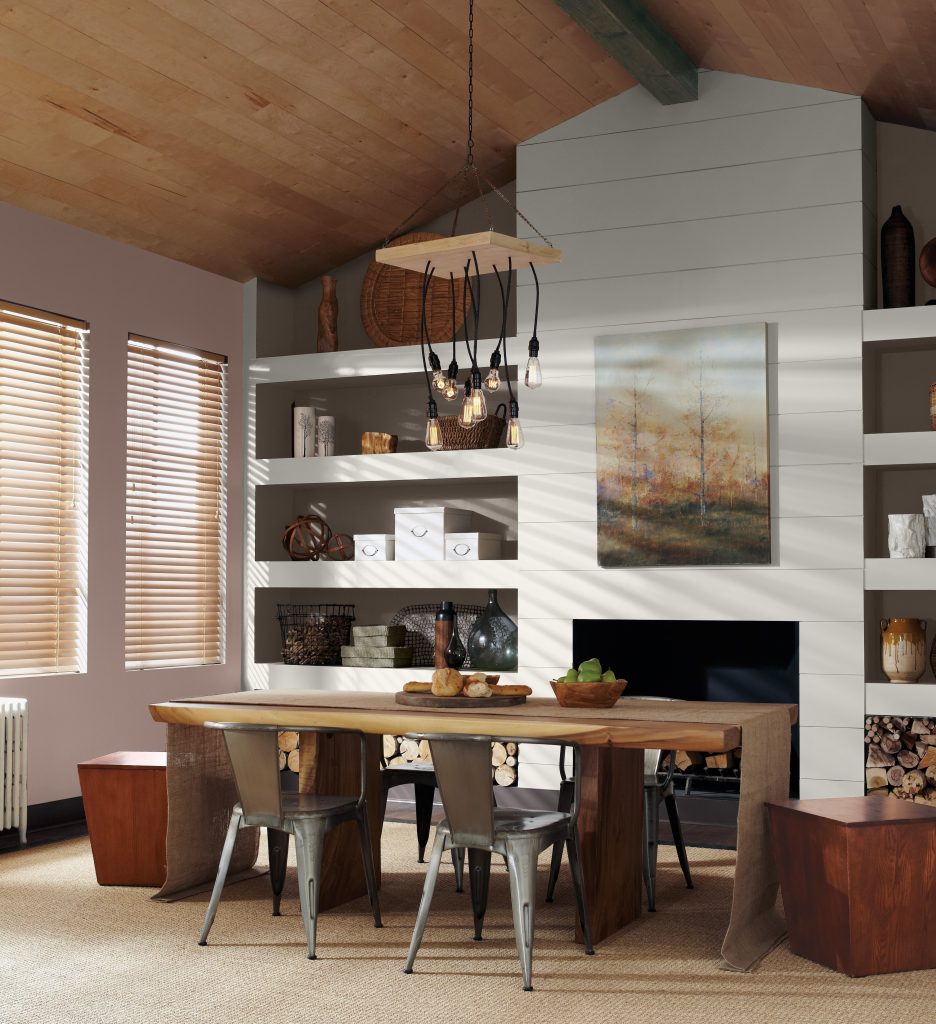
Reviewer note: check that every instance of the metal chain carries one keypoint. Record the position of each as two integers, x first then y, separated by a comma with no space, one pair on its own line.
517,211
469,155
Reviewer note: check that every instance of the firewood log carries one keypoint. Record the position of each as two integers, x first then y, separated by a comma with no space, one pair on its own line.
877,758
907,759
928,739
875,778
498,754
511,749
410,749
919,727
397,760
928,758
890,745
287,741
895,775
914,782
425,754
282,760
505,776
930,774
879,792
292,761
390,747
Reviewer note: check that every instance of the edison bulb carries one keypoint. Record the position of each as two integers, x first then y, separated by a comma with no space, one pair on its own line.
433,434
533,378
451,390
478,406
514,433
492,381
466,416
439,380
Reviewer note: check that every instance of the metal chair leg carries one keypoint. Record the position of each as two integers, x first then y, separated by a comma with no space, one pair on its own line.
479,874
428,889
676,828
651,829
310,841
424,796
278,847
578,882
522,855
223,866
458,863
566,791
370,874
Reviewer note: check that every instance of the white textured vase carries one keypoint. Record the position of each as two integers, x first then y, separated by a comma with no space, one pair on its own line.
906,535
929,514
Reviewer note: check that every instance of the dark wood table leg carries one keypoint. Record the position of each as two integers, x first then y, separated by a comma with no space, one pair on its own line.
329,764
610,828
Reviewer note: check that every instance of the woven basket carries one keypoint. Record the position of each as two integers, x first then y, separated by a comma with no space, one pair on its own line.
391,301
487,434
313,634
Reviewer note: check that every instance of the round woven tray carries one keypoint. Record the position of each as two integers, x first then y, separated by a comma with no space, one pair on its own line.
391,301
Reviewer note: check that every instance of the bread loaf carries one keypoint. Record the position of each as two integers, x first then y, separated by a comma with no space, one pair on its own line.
446,682
478,688
417,687
513,690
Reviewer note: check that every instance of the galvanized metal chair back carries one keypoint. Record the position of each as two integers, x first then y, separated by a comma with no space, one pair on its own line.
463,774
255,760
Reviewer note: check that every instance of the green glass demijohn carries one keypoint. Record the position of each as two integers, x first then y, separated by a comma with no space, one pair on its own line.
492,644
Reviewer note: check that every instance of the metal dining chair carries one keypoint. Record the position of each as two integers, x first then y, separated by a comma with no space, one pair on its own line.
657,789
463,772
254,759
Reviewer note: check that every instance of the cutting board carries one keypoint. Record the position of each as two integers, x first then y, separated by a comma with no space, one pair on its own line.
430,700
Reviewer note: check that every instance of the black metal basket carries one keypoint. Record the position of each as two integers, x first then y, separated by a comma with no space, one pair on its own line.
419,621
313,634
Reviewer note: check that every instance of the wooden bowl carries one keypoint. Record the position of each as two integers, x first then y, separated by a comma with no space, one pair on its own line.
587,695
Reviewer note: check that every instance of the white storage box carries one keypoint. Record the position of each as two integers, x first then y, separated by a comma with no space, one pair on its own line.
420,532
374,547
470,547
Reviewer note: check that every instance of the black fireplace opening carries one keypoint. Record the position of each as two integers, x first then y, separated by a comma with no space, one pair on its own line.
707,660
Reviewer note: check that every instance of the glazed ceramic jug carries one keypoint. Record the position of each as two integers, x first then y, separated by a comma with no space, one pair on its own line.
903,649
492,645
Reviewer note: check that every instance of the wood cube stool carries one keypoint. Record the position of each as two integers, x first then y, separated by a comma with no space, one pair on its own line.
126,809
857,875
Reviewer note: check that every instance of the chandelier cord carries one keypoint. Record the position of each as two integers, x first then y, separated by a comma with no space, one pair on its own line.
423,333
536,304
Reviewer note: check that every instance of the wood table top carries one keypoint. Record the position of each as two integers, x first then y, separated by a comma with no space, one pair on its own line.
638,724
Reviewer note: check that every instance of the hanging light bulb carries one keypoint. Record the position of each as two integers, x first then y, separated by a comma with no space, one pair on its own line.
451,383
533,378
433,430
492,381
466,416
478,401
439,377
514,430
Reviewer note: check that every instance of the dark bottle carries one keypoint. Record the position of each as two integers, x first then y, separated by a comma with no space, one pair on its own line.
444,628
492,645
898,261
455,653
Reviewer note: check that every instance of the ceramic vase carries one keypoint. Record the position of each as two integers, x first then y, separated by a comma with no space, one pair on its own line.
906,535
328,316
929,518
903,649
492,644
898,261
303,446
325,435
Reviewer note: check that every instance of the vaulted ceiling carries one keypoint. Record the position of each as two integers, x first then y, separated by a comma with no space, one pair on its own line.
280,138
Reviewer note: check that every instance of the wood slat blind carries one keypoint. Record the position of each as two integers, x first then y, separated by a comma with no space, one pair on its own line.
43,492
176,484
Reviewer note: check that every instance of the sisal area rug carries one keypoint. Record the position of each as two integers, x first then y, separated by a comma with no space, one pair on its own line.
72,952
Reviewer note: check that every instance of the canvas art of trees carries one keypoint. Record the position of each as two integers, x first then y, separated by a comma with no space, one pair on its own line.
683,462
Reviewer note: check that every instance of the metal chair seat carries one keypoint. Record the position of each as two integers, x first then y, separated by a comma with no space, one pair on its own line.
254,759
514,821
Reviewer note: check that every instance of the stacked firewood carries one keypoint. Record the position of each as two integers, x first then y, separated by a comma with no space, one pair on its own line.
288,743
694,762
901,757
398,750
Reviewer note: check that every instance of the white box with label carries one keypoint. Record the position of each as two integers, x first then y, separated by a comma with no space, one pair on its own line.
470,547
374,547
420,532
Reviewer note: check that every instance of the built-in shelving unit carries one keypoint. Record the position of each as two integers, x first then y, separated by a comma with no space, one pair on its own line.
900,465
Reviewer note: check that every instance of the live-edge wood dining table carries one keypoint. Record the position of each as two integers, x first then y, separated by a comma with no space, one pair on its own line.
610,744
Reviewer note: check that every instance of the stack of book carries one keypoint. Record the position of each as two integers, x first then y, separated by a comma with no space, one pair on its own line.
377,647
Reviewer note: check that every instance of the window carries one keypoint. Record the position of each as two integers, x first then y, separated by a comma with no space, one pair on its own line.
176,482
43,492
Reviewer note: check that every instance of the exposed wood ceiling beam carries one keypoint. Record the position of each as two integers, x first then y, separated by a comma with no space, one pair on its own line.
630,35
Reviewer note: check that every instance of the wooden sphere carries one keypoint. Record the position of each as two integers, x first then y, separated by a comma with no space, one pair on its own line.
340,547
928,262
306,538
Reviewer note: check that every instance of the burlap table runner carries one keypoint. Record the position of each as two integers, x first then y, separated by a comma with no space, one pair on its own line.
755,924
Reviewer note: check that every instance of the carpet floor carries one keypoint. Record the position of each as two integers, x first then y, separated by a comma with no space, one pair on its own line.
71,951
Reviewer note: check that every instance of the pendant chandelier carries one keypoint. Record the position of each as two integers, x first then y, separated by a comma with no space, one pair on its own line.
467,258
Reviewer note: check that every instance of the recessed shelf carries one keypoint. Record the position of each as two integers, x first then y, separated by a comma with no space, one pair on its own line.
900,699
900,574
374,468
492,573
905,448
899,325
340,677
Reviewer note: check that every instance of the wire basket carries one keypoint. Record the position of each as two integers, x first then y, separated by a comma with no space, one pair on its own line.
486,434
419,622
313,634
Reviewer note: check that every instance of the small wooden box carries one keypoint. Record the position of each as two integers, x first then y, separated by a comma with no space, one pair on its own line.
126,809
858,875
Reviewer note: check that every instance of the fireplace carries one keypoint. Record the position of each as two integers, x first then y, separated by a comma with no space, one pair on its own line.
700,660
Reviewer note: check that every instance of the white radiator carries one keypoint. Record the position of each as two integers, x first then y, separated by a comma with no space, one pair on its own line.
13,764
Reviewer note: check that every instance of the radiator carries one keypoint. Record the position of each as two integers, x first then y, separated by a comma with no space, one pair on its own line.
13,764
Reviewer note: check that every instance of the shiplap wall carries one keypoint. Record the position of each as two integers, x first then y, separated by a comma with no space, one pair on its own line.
752,204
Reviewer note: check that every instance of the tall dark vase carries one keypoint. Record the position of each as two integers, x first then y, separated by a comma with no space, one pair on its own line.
492,645
898,261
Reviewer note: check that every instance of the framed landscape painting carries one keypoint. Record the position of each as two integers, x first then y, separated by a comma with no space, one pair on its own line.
683,460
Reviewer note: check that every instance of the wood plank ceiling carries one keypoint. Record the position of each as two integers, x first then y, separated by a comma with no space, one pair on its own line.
280,138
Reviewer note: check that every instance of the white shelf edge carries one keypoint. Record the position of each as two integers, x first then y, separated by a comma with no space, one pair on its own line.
902,324
341,677
502,574
900,574
900,699
910,448
397,467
